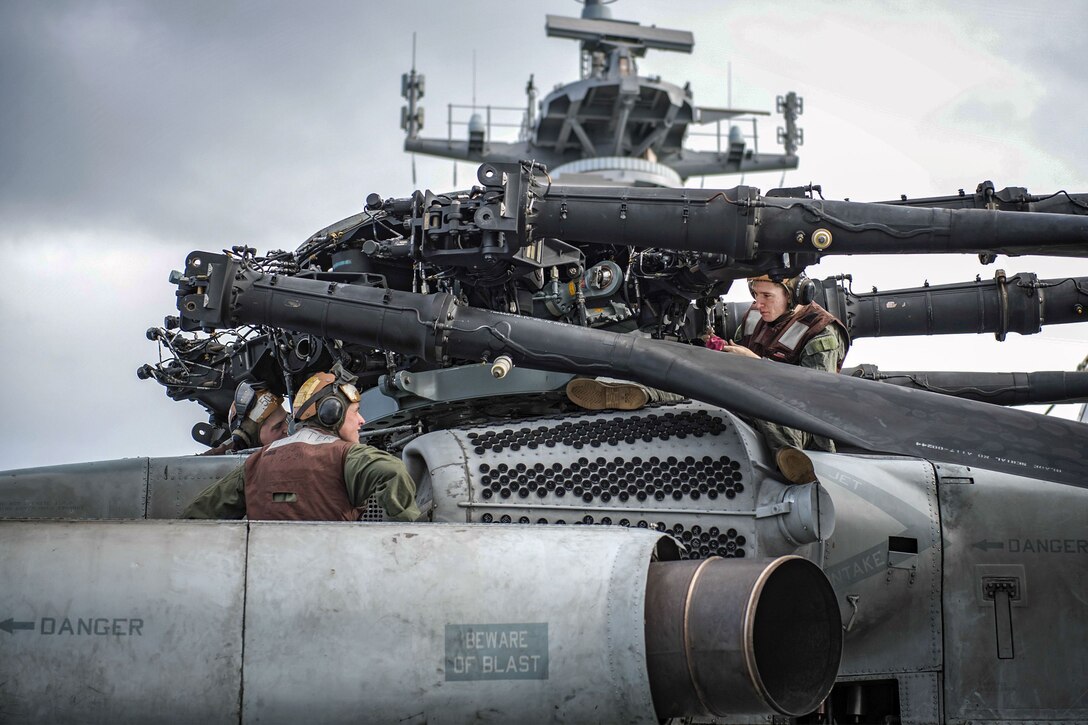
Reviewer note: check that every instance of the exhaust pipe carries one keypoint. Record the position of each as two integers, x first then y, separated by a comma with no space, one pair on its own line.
781,650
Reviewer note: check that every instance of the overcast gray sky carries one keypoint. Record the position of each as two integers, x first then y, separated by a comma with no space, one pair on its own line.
132,133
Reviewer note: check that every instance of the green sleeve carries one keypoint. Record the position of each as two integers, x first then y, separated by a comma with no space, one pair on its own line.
224,499
824,352
738,333
371,472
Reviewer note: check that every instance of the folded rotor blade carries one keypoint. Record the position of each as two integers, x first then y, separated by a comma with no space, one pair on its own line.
862,413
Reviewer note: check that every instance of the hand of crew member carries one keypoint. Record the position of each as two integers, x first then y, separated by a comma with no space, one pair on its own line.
712,341
736,349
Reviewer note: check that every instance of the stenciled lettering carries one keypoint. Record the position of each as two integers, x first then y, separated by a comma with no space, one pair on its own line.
496,652
1048,546
92,626
475,639
522,664
858,568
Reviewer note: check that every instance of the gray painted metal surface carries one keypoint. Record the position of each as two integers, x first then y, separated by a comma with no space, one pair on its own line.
920,701
370,624
128,488
409,391
884,507
1033,536
343,623
131,622
173,482
99,490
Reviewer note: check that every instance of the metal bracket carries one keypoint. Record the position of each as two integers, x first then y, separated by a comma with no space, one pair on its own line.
775,509
1002,591
992,587
852,600
1003,306
902,554
951,473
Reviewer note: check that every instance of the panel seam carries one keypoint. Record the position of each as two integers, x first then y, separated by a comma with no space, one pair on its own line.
147,487
242,653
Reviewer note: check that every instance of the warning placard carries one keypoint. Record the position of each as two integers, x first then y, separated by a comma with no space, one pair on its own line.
497,651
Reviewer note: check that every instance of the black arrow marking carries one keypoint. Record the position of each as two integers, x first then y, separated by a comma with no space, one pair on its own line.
987,545
9,625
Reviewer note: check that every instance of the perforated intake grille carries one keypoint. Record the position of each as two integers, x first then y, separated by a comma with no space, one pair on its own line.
677,469
602,479
599,432
373,510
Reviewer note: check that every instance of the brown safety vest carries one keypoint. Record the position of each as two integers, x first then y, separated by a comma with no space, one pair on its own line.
300,478
784,339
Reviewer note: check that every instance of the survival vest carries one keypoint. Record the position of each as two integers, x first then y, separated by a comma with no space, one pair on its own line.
300,478
784,339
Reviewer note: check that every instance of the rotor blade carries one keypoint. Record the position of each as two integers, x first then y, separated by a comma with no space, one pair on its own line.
862,413
739,223
217,292
1030,388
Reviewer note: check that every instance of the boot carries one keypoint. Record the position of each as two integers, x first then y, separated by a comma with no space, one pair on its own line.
596,395
795,465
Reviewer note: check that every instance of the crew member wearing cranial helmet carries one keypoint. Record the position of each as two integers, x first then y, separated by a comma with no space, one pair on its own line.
785,325
257,418
319,473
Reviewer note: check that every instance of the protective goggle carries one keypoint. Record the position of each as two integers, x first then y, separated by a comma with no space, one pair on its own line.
349,391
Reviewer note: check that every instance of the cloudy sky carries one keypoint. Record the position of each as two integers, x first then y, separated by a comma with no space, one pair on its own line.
132,133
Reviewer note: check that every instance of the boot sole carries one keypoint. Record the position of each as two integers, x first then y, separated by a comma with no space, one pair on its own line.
796,467
595,395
